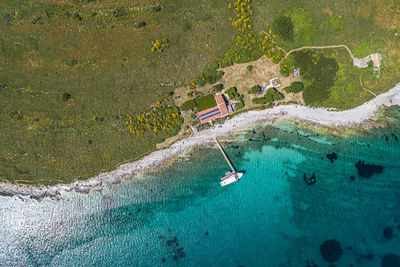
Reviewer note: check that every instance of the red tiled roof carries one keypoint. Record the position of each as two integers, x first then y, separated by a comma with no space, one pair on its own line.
221,104
214,112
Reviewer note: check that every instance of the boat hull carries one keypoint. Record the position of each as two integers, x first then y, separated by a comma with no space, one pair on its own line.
231,178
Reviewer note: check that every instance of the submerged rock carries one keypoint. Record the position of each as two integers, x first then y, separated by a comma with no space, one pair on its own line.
352,177
332,157
367,170
390,260
388,233
180,253
310,180
331,251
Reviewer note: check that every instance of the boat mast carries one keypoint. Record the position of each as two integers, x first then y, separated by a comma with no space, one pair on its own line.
225,156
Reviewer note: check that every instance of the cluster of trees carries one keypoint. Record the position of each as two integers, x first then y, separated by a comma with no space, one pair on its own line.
210,75
295,87
271,96
320,73
157,119
159,45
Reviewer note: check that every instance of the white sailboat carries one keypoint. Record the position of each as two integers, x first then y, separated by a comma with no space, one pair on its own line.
230,177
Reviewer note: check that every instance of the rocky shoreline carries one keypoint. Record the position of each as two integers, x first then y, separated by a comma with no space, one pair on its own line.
358,116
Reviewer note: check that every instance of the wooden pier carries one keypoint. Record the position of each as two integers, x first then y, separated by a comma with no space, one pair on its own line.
225,156
230,177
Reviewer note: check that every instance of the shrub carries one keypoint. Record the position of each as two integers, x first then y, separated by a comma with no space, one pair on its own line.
249,67
72,62
370,63
119,12
271,96
37,20
283,25
138,25
296,87
255,89
205,102
190,104
218,87
156,8
65,97
8,18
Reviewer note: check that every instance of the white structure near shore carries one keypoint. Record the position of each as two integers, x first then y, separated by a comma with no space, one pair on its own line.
363,62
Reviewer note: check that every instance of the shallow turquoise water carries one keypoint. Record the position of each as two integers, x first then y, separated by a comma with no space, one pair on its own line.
271,217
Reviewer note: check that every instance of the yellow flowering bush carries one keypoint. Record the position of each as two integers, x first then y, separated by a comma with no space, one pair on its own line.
159,45
158,118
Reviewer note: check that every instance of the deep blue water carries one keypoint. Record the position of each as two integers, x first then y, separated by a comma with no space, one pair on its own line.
181,216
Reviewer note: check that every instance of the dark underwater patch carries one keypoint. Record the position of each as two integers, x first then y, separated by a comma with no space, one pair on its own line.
367,170
310,180
331,251
332,157
388,233
390,260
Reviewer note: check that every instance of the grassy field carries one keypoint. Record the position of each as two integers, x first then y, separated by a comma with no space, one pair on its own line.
95,53
70,71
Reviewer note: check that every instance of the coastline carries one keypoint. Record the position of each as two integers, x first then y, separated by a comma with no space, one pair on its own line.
317,116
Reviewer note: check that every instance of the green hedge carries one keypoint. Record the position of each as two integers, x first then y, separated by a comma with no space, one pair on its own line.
249,67
232,93
205,102
255,89
190,104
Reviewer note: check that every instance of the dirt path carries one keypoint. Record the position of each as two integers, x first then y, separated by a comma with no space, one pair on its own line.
362,86
319,47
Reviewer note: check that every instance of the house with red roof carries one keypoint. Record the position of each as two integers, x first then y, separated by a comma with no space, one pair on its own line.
220,110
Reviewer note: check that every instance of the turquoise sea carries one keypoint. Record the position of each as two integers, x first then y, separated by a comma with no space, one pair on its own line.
181,216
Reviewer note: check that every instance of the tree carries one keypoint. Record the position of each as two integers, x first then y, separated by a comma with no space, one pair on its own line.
255,89
296,87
